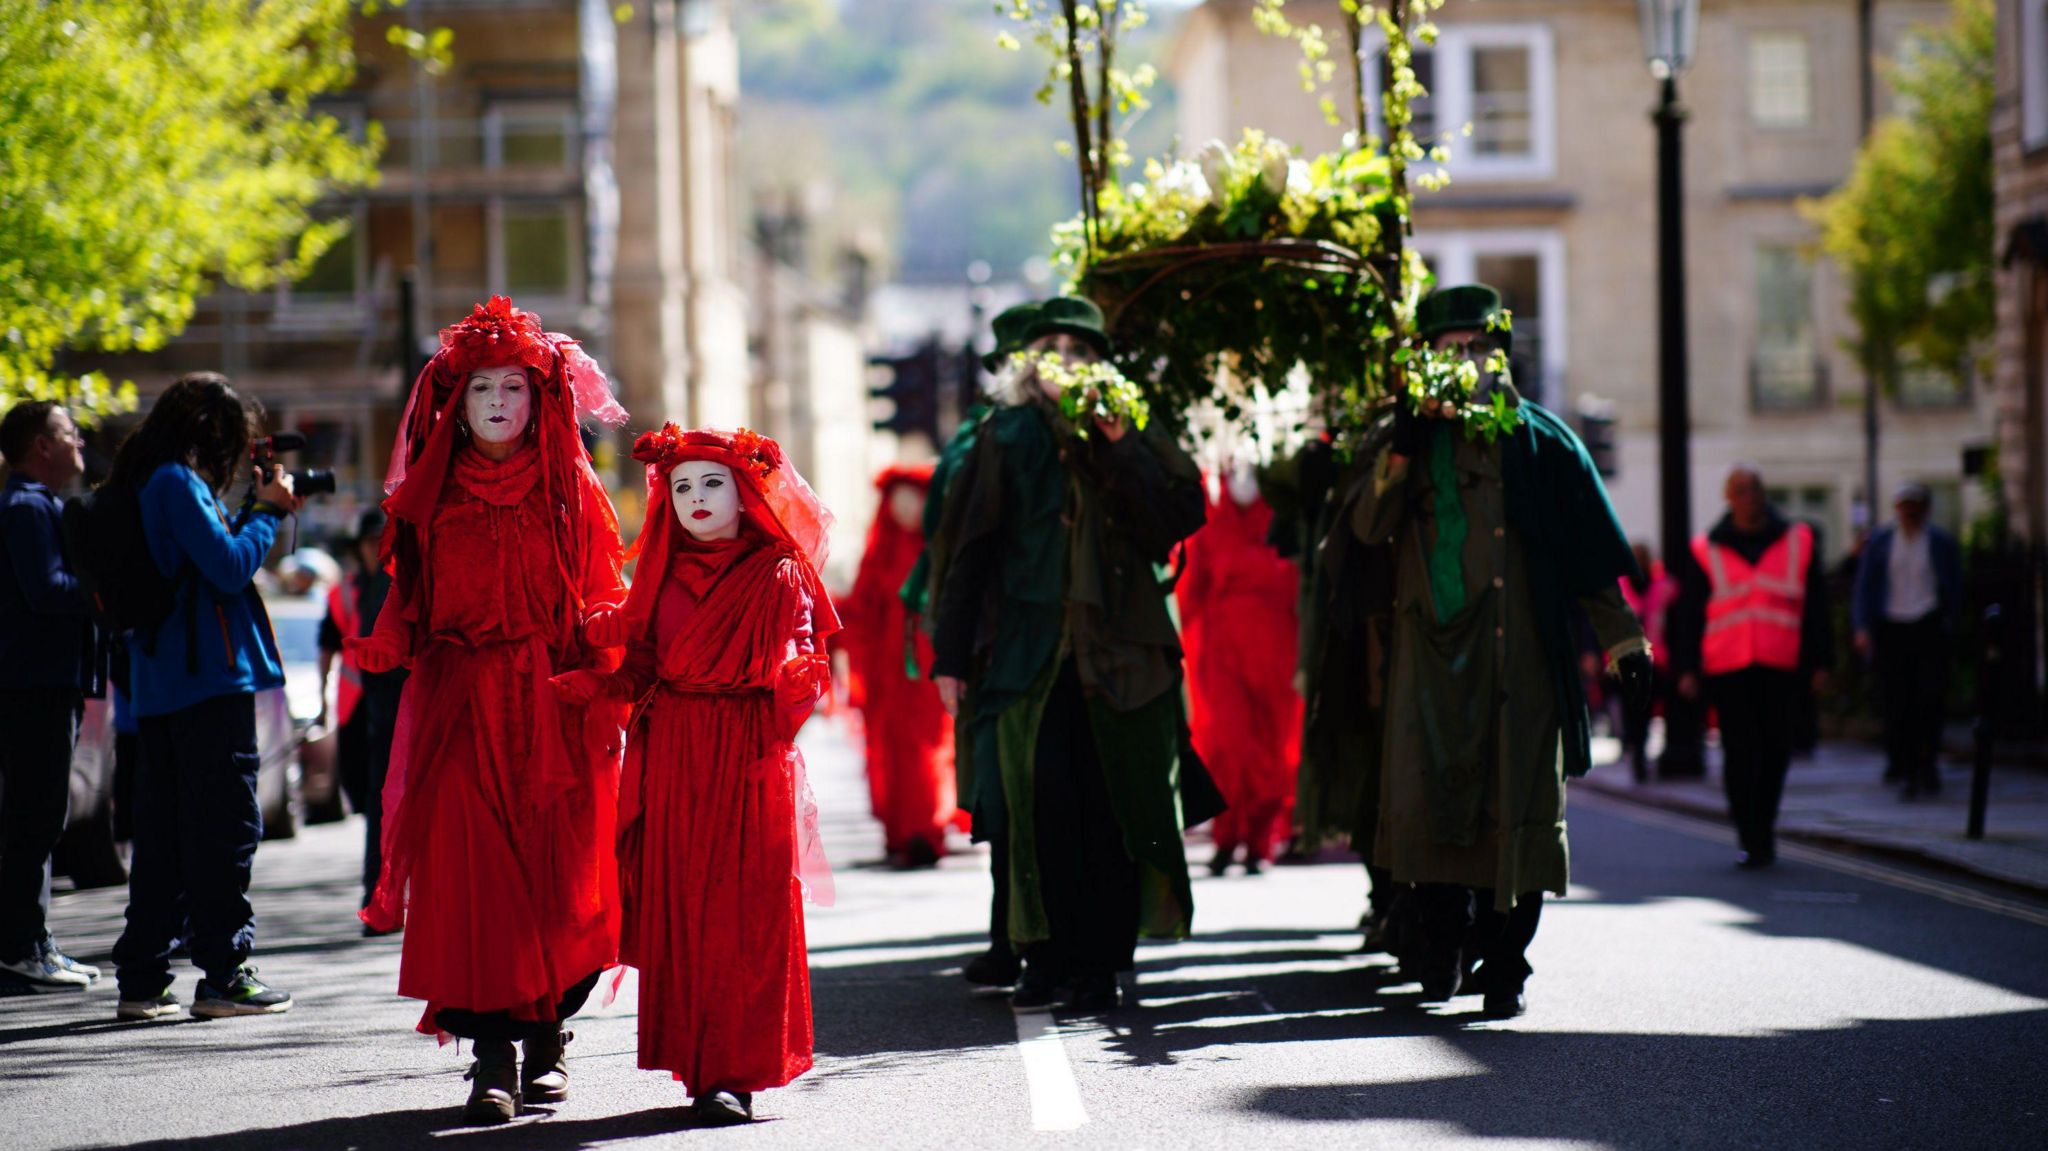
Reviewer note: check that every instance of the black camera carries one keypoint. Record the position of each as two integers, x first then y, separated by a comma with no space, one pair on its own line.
309,482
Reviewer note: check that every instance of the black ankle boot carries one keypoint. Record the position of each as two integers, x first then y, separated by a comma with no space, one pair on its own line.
494,1090
544,1076
724,1108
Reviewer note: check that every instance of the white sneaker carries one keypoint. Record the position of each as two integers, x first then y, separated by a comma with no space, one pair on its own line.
42,975
54,954
162,1007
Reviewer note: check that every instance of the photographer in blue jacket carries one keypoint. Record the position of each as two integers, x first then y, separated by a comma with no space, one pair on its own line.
194,679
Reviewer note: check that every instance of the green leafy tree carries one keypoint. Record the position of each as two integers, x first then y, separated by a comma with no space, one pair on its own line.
1912,227
148,147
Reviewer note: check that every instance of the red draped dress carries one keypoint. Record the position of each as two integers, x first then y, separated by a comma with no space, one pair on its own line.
1238,605
908,734
500,807
708,847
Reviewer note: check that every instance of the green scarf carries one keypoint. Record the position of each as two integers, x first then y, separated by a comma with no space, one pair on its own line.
1446,559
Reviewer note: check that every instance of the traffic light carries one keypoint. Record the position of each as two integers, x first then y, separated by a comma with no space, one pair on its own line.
1596,431
913,388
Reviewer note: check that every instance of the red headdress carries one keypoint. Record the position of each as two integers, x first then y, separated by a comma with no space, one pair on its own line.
568,387
775,504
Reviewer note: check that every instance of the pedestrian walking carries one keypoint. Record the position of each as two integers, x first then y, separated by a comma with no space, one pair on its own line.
726,628
1495,543
1751,632
1049,606
499,808
349,720
1908,600
50,661
908,735
382,692
1649,591
194,675
1238,611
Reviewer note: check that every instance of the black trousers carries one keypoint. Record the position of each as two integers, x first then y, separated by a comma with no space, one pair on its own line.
999,902
1759,709
127,757
197,824
352,757
499,1025
35,796
1088,881
1465,917
1912,674
379,710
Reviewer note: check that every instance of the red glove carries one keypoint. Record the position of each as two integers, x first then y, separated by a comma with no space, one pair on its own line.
606,627
582,686
374,653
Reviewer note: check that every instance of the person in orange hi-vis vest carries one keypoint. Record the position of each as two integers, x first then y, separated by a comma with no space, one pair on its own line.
1751,630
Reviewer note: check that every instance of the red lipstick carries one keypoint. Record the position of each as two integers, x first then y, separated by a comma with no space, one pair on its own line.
700,514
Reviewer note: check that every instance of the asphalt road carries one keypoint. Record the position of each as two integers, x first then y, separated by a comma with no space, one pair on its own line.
1677,1002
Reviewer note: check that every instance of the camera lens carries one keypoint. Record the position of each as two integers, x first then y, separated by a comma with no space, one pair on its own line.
313,482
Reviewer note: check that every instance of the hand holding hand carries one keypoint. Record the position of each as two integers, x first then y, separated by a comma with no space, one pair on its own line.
606,627
581,686
374,654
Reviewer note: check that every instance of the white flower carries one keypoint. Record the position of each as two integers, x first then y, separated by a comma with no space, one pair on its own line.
1273,171
1185,180
1298,180
1215,161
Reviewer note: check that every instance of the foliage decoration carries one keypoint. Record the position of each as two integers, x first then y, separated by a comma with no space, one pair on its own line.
1437,380
1088,392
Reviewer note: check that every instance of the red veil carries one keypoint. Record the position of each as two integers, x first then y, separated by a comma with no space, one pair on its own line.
776,505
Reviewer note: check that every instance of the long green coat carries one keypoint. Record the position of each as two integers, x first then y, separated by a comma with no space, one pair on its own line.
1475,726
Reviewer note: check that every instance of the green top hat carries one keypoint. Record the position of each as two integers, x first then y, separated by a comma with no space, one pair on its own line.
1016,328
1009,328
1467,308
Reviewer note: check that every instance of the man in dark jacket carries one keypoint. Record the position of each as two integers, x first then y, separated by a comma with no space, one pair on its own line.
49,663
1751,630
1909,596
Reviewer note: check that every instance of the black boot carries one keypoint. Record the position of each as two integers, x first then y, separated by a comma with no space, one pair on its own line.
544,1075
993,968
494,1091
724,1108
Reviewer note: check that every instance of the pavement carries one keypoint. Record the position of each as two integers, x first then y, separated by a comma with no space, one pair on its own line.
1831,1001
1837,797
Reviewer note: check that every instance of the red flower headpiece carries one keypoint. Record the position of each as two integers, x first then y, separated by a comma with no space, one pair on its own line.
497,334
741,450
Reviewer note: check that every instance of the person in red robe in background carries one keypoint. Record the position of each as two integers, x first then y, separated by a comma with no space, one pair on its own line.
909,736
499,802
1237,610
1651,600
718,842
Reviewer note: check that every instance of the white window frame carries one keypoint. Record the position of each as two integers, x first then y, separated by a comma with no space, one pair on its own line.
528,110
1451,99
2033,77
494,239
1749,76
1456,256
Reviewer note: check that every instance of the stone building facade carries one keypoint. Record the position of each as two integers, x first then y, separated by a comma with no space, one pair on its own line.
1553,199
2019,141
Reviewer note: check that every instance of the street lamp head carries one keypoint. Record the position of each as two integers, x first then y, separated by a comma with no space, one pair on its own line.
1670,28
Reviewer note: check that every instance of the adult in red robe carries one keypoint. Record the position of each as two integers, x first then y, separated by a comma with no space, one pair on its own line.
909,737
718,839
1238,601
500,798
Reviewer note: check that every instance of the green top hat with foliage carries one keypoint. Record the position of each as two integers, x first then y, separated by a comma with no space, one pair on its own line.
1467,308
1016,328
1009,328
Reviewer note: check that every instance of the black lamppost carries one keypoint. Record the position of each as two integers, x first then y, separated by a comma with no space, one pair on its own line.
1670,28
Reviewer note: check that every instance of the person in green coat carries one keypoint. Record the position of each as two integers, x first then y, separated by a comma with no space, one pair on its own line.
1495,546
1052,623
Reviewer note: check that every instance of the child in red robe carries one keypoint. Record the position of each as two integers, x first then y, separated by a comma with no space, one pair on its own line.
499,801
1238,602
718,845
909,736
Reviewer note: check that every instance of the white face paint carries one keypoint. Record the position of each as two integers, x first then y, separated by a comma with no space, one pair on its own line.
498,404
706,499
906,507
1244,487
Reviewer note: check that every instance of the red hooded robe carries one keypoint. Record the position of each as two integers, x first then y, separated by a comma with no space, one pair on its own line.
909,736
1238,603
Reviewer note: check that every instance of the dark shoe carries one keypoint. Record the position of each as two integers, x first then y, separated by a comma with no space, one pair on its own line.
1038,990
724,1108
544,1074
1442,974
1473,981
1377,938
1505,1003
494,1086
1254,867
920,853
1220,862
993,968
375,933
1756,860
244,994
160,1006
1095,993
